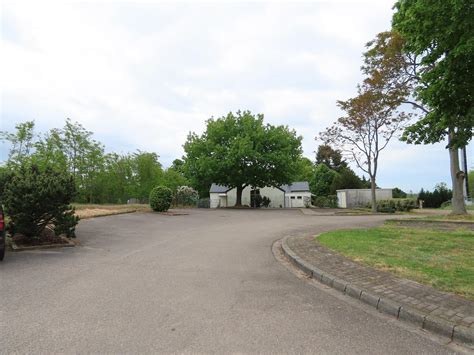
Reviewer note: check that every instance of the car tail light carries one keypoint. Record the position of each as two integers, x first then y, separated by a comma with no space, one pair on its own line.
2,222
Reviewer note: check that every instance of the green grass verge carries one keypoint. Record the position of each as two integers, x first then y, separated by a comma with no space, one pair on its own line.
442,259
449,218
448,208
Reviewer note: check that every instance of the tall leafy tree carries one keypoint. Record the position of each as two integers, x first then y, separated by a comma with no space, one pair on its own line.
147,171
371,120
21,142
440,33
239,150
304,169
331,157
346,178
322,180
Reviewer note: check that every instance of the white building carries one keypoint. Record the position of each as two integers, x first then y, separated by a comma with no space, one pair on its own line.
360,197
284,196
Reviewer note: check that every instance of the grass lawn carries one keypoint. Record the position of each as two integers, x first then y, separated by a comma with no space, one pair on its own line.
90,210
450,218
442,259
468,207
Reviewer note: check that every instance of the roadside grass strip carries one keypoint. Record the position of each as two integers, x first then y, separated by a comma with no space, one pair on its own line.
443,259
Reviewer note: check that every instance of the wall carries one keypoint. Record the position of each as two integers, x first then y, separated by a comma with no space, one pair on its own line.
361,197
297,202
214,199
275,195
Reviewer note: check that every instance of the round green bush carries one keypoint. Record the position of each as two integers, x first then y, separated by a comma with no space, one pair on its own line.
160,198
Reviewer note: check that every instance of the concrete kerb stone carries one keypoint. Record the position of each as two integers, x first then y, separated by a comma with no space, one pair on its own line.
317,273
296,260
353,291
327,280
388,306
434,324
340,285
464,335
439,326
370,299
412,316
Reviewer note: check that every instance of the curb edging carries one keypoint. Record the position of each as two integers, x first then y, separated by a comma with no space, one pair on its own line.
16,248
459,333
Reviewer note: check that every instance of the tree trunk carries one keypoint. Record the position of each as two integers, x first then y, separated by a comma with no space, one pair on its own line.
238,197
457,177
373,196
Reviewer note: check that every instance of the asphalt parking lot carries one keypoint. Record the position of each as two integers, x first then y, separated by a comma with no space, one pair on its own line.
202,282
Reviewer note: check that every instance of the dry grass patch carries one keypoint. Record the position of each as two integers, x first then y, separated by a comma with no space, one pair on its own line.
90,210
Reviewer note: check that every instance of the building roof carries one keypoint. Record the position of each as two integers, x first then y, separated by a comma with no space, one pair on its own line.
218,188
294,187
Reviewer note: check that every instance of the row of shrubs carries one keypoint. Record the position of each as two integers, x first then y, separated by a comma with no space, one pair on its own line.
395,205
162,198
325,201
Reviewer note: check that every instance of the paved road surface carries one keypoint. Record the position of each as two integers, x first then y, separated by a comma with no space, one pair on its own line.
204,282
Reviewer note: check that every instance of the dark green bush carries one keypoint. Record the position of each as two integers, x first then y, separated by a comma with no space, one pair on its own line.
266,201
398,193
161,198
436,198
325,201
204,203
35,198
256,200
395,204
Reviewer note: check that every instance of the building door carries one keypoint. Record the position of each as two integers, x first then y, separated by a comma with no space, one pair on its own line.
343,201
255,198
222,201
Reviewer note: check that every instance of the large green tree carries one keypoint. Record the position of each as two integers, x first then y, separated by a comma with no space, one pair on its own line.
304,169
322,180
439,34
239,150
331,157
21,142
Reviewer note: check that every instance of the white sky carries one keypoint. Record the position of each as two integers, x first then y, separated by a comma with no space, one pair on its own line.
141,75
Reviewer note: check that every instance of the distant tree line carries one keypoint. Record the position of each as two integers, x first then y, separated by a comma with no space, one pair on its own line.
435,199
98,177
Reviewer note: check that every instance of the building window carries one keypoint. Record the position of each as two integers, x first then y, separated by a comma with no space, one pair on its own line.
292,197
299,197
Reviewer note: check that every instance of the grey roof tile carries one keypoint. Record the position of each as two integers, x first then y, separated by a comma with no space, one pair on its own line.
294,187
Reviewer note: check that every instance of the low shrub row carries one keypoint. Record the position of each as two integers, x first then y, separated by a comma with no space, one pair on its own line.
395,204
325,201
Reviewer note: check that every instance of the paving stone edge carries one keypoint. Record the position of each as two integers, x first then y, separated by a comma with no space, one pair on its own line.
458,333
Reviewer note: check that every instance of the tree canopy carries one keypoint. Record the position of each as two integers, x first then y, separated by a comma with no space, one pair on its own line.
440,35
438,40
98,177
239,150
331,157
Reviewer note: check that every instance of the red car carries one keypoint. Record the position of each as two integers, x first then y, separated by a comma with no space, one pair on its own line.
2,234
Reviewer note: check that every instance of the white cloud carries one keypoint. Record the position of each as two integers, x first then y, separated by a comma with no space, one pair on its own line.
141,75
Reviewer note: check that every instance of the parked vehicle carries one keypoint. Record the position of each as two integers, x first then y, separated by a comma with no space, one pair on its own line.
2,234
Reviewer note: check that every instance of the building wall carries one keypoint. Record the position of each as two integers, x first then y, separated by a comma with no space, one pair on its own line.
278,198
296,199
361,197
214,200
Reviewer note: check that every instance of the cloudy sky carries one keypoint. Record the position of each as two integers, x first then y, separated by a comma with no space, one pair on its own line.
141,75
